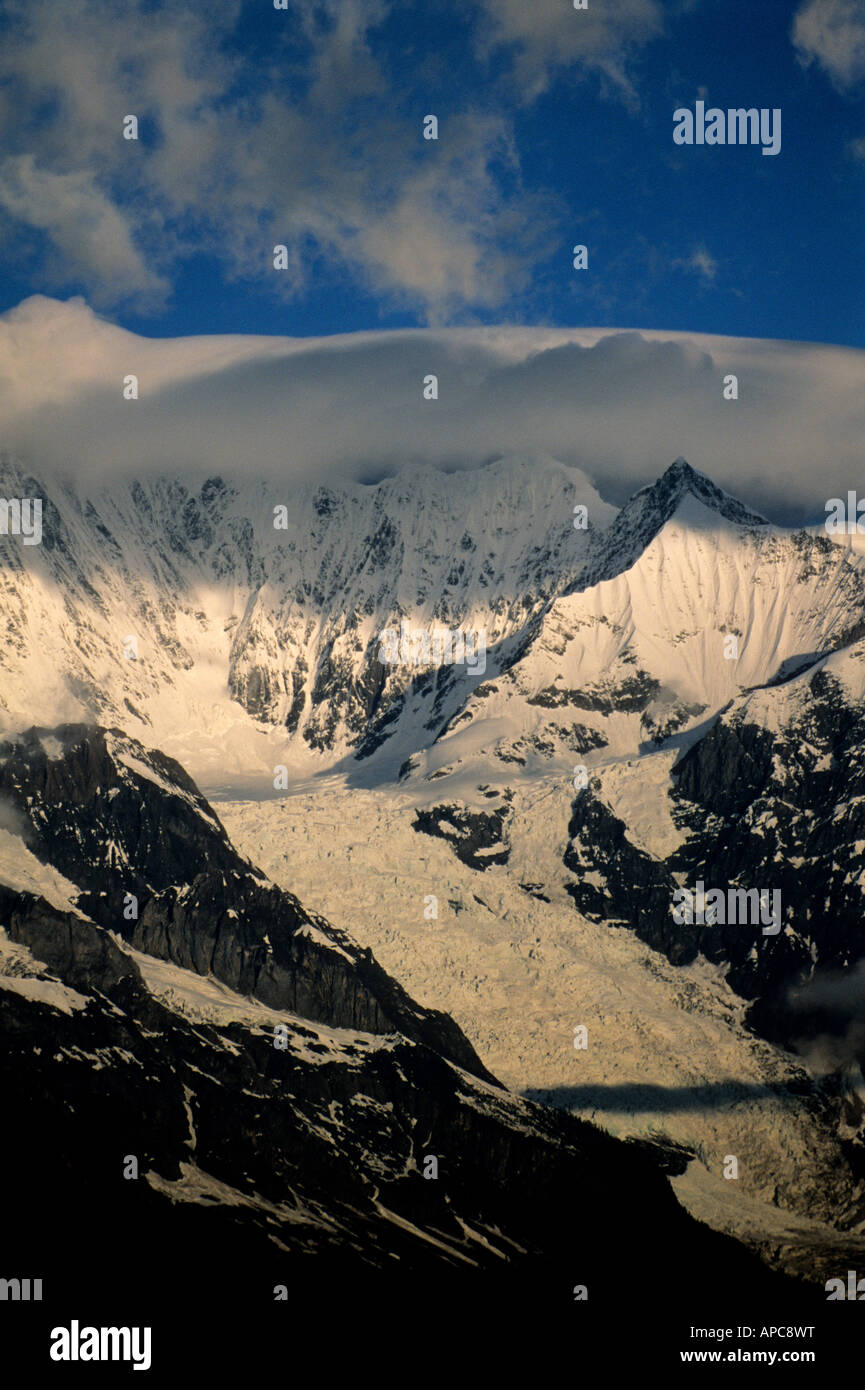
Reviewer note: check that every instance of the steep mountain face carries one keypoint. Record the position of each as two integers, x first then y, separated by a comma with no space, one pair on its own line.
695,601
687,678
770,797
672,695
151,863
252,651
649,510
708,633
197,1110
240,628
706,683
242,631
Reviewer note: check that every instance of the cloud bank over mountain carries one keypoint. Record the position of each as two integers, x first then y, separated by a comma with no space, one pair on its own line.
618,405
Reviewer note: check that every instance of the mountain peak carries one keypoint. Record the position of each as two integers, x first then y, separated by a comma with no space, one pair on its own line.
681,469
644,515
680,478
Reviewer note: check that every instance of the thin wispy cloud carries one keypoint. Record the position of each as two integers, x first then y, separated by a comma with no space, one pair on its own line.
700,263
546,38
91,237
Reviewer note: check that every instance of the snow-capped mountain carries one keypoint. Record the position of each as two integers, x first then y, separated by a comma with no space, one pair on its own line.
695,668
692,600
238,627
631,673
250,1119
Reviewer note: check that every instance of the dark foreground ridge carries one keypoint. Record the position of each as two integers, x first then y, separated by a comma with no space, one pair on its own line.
303,1165
118,820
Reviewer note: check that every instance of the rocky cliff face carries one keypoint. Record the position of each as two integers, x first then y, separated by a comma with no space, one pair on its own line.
770,797
768,800
151,863
674,694
253,1115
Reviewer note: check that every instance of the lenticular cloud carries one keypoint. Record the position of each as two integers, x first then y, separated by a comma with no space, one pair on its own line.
616,404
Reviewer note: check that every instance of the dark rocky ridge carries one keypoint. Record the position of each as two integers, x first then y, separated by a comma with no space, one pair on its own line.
116,819
778,809
304,1165
261,1166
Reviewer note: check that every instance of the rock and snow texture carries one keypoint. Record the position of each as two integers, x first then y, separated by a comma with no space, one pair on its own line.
290,1150
142,854
254,644
717,602
180,613
704,668
626,673
669,1052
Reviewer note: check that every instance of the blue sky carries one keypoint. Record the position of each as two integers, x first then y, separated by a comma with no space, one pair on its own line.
303,127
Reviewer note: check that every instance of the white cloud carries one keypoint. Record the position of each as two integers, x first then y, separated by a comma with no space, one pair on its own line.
91,237
550,36
308,149
832,34
444,235
620,406
700,262
313,158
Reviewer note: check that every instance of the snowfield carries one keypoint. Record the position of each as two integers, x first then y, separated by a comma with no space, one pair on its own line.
667,1053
